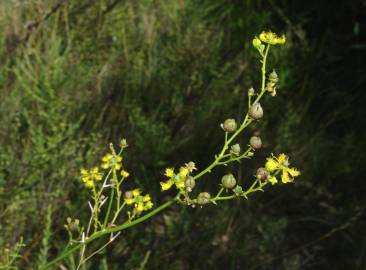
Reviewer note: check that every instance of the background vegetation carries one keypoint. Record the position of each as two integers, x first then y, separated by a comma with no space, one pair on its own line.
75,75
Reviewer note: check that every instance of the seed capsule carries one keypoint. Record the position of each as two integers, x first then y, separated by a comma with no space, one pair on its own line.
255,142
256,111
262,174
228,181
230,125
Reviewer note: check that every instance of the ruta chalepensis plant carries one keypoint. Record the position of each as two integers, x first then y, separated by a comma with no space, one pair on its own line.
114,209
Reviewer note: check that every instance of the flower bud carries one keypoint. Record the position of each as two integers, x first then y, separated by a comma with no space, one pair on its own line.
128,195
262,174
203,198
235,149
123,143
228,181
256,42
189,183
273,77
256,111
251,91
230,125
238,190
255,142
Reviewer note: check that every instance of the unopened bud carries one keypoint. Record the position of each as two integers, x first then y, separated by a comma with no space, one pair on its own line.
251,91
255,142
203,198
189,183
228,181
273,77
230,125
123,143
235,149
256,111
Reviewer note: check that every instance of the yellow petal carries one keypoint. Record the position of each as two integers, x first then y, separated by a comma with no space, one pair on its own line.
129,201
89,184
105,165
180,184
169,172
183,172
293,172
285,178
148,205
140,207
124,173
84,172
166,185
146,198
136,192
282,158
107,157
271,165
273,180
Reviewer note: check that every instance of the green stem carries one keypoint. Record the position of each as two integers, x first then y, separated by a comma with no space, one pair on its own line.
104,232
110,199
245,123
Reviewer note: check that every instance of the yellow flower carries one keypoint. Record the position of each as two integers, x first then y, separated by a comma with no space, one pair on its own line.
130,201
166,185
272,38
281,164
183,172
124,174
180,184
89,176
148,205
140,207
95,174
113,162
136,192
271,165
89,184
169,172
146,198
273,180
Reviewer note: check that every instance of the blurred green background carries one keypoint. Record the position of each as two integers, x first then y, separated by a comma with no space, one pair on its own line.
76,75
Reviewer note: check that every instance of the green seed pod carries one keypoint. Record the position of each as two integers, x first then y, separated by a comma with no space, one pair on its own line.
203,198
230,125
256,111
262,174
235,149
228,181
189,183
255,142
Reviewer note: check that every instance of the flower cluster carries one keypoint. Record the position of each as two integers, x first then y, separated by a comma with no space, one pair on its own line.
90,176
141,202
281,165
112,162
178,179
272,38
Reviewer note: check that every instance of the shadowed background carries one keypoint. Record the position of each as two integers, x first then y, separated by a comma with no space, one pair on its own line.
76,75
